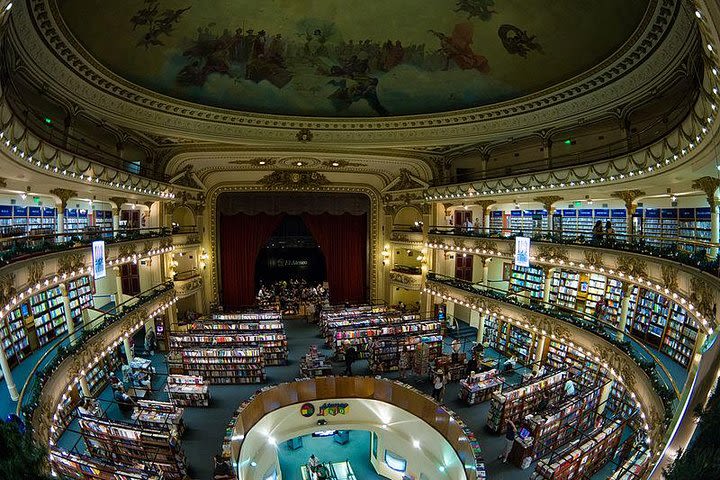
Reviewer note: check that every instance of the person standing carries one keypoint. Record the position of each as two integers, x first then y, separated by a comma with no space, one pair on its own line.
609,232
404,363
351,355
510,431
439,381
150,341
597,232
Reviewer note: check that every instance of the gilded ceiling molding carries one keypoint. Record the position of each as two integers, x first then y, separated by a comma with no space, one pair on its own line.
69,262
482,244
405,181
119,201
593,258
628,197
632,265
670,276
547,201
341,164
255,162
485,204
7,287
556,252
710,186
35,271
702,293
291,180
64,195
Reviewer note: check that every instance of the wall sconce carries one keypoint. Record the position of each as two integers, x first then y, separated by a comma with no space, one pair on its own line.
386,254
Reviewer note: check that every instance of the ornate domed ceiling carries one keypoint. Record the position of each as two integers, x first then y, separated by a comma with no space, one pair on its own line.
350,59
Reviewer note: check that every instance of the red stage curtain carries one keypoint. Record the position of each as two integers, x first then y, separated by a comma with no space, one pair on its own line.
343,241
241,238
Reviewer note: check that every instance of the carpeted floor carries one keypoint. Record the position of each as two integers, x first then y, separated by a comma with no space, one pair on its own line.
206,426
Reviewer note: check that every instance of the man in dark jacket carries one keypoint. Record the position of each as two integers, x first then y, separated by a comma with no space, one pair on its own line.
351,355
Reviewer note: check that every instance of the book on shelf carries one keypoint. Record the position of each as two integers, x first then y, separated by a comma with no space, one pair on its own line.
220,365
84,467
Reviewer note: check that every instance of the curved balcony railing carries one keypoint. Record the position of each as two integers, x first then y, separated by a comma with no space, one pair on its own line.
423,406
14,249
662,380
70,343
694,253
407,269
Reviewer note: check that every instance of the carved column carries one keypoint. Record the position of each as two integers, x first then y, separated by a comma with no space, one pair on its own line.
118,286
629,197
547,283
128,349
624,310
7,374
710,186
538,359
547,203
172,318
84,387
485,206
64,195
118,201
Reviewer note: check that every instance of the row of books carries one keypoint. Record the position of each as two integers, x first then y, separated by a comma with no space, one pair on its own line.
188,390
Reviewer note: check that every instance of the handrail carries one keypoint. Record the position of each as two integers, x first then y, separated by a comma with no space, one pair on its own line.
697,253
13,249
85,332
582,320
438,416
407,269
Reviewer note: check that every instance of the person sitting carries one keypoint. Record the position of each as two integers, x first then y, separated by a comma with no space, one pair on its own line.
115,382
510,363
569,388
222,469
123,399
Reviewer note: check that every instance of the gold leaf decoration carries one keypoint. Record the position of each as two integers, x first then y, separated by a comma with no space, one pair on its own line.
7,287
632,265
594,258
70,262
291,179
35,271
556,252
669,276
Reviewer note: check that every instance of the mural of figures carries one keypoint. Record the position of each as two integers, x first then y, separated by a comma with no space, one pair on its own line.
350,59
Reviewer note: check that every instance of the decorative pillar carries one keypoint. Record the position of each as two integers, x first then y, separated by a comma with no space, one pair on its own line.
7,374
64,195
540,349
118,201
485,206
172,318
486,269
84,387
118,286
547,283
481,328
547,203
629,197
128,349
624,310
69,321
604,395
711,187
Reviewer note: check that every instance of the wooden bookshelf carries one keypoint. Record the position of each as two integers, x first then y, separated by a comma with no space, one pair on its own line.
583,459
220,365
516,403
134,444
564,286
385,351
274,345
83,467
80,293
528,279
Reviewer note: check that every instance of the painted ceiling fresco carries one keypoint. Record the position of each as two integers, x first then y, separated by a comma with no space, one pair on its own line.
350,58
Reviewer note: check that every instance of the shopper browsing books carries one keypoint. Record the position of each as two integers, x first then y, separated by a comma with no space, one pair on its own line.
569,388
510,432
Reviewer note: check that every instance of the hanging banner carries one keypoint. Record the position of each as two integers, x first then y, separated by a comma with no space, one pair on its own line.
522,251
98,258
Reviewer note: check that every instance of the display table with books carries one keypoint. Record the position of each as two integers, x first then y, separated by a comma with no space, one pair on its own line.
480,386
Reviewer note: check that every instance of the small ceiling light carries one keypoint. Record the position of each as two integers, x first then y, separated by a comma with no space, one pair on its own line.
416,444
697,13
9,6
23,195
673,198
262,162
299,164
335,164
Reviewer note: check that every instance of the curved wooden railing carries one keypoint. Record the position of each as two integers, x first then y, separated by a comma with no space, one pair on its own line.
403,396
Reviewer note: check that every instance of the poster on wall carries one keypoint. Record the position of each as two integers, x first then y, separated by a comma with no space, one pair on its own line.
98,258
522,251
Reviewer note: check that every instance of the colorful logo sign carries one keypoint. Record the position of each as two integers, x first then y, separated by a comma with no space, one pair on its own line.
307,410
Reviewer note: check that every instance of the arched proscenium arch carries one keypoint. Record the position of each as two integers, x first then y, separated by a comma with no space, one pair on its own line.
380,402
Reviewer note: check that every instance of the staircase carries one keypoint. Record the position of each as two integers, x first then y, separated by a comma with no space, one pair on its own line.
463,332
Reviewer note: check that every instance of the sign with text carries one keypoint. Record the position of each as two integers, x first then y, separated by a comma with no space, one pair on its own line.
522,251
98,258
307,410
